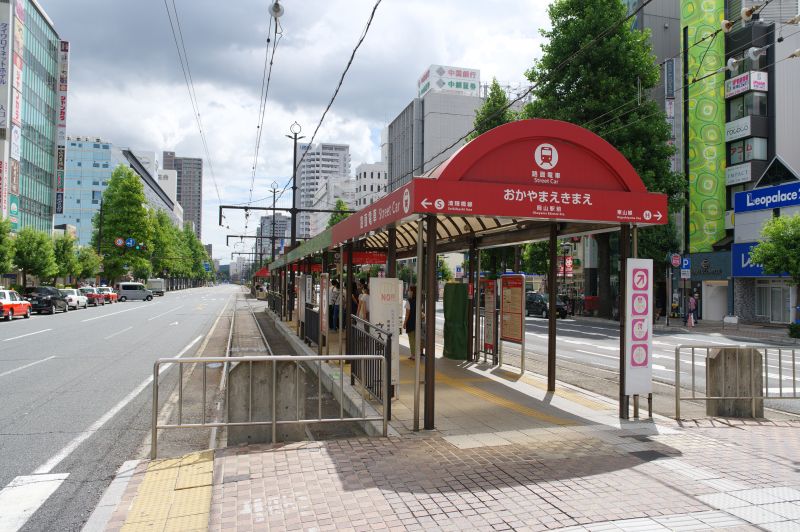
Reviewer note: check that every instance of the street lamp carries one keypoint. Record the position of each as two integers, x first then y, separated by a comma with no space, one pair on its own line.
295,129
274,190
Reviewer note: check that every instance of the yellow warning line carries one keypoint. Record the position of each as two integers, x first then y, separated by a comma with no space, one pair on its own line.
175,494
460,384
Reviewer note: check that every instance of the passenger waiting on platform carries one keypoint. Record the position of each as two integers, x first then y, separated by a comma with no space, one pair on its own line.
333,321
363,302
409,324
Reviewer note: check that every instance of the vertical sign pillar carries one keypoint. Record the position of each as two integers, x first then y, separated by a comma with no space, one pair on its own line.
551,322
624,245
638,320
430,323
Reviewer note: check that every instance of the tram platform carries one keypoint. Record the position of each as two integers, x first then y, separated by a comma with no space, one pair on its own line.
505,455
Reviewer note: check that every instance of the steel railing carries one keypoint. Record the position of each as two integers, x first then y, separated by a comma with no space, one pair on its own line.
383,398
311,324
778,364
369,340
275,303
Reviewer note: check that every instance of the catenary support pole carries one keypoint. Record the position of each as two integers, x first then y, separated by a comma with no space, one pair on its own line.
430,323
418,316
552,275
391,255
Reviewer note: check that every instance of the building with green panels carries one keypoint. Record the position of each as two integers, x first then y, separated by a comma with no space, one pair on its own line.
33,98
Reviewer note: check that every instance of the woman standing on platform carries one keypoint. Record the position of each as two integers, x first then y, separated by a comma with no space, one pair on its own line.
410,323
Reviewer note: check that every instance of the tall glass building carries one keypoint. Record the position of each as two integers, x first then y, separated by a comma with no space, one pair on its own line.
33,107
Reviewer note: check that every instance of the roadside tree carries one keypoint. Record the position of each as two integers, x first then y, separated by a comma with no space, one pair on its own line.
337,217
6,247
604,87
778,253
124,215
33,254
65,256
88,263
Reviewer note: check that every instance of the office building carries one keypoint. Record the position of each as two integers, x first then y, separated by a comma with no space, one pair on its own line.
89,163
370,184
190,187
320,163
34,68
281,229
442,112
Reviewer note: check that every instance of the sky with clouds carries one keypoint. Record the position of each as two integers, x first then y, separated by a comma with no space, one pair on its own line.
127,85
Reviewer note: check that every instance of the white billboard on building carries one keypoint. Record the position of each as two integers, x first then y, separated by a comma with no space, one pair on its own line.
451,80
5,81
61,124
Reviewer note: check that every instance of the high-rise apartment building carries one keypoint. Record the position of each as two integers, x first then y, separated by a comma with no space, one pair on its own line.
33,111
321,163
190,187
264,245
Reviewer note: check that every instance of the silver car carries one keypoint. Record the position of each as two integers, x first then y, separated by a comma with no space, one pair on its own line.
134,292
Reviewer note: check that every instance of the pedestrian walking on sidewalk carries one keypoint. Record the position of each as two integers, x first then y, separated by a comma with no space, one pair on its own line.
691,315
410,323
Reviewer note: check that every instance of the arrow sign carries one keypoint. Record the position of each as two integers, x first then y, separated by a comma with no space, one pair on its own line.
425,203
658,215
130,242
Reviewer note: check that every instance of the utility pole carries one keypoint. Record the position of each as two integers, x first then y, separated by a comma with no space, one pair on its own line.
100,229
274,191
295,129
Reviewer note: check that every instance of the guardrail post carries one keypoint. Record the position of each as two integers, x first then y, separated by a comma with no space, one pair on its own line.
153,429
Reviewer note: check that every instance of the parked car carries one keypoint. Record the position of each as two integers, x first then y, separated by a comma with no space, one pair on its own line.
75,298
157,286
46,299
108,293
12,304
134,291
93,296
537,304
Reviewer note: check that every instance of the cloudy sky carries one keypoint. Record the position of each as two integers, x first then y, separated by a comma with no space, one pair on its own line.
127,85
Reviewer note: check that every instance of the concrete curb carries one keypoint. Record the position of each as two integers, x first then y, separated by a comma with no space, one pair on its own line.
113,495
351,399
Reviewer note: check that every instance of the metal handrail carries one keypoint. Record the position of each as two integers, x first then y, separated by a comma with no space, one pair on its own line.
311,324
385,400
782,362
369,339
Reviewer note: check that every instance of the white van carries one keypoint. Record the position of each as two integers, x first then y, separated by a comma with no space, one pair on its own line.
157,286
134,291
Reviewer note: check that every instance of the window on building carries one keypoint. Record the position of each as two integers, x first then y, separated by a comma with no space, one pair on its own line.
97,146
750,104
755,149
96,195
762,298
95,183
736,152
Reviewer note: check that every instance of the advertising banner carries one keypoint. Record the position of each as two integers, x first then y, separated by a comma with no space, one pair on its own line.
767,198
16,139
13,179
512,308
13,211
738,129
490,308
324,296
452,80
301,299
757,81
706,122
742,265
638,327
386,312
740,173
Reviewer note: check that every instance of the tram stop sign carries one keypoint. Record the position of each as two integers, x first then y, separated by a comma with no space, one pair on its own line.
675,259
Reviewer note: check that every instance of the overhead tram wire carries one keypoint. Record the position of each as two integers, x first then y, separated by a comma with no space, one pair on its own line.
265,84
187,76
336,91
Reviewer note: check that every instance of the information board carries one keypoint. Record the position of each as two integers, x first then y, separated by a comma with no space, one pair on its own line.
512,308
301,299
386,312
638,327
490,312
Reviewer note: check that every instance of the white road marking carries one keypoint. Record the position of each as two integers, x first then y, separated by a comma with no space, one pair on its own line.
597,354
48,466
24,335
164,313
118,312
23,496
118,332
9,372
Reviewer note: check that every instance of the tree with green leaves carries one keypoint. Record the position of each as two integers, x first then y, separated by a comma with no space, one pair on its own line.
65,255
33,254
88,263
778,252
604,87
165,253
124,214
6,247
535,257
494,111
337,217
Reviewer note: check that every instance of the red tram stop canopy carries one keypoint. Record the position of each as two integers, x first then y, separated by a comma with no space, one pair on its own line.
525,171
262,273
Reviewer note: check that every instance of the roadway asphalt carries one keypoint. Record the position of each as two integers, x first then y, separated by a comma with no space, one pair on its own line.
76,401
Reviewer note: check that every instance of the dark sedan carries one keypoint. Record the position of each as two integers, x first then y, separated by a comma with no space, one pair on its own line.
46,299
537,304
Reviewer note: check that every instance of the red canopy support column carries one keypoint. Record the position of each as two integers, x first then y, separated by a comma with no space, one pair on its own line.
552,276
391,256
473,251
347,301
430,322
